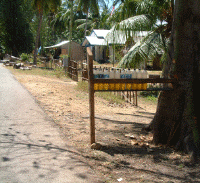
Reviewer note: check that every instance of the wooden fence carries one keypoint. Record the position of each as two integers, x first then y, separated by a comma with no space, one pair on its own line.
73,70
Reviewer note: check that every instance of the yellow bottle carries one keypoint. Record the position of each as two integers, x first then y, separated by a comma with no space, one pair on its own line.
134,76
122,76
96,76
117,76
128,76
144,76
139,76
101,76
106,76
112,76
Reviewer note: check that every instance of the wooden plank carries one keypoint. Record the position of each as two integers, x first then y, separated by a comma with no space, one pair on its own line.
136,101
148,89
91,95
148,80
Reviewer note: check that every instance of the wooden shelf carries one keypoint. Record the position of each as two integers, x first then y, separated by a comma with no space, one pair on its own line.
148,89
148,80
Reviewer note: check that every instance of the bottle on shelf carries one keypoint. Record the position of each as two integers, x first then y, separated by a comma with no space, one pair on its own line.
128,76
139,76
117,76
106,76
96,76
123,76
144,76
101,76
112,76
134,76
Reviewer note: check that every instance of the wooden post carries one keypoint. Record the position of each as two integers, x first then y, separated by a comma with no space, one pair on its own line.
91,95
136,102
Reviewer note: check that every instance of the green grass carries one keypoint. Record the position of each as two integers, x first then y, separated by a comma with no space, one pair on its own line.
152,98
150,95
57,73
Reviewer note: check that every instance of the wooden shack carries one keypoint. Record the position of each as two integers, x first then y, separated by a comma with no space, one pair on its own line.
77,52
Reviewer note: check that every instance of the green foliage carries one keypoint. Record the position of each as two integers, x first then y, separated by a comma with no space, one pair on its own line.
24,57
149,93
15,30
148,48
144,15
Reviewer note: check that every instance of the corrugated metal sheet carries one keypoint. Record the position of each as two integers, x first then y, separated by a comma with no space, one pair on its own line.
100,33
93,41
58,45
109,37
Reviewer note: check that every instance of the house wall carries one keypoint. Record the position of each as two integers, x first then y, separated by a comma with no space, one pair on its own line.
99,53
111,53
77,52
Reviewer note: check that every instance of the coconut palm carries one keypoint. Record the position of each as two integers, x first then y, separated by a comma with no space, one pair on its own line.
156,41
94,22
91,6
43,6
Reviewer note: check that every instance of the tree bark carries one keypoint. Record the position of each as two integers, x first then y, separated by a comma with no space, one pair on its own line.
176,122
86,22
70,31
37,37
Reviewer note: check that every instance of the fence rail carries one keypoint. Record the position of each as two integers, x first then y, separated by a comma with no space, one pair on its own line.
73,70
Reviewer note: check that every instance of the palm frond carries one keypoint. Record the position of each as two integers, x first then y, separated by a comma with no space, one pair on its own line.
81,26
130,27
136,23
80,21
146,49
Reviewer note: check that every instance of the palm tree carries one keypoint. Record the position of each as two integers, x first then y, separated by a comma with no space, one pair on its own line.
94,21
43,6
157,39
85,6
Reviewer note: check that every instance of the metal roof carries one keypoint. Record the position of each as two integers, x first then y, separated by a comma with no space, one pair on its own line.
58,45
100,37
100,33
93,41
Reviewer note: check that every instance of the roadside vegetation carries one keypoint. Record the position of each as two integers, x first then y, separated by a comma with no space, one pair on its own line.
55,73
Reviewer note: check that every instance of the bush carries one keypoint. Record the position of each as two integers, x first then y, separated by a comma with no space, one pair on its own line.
24,57
149,93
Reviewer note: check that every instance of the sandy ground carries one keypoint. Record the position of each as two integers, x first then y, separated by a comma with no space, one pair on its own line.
126,153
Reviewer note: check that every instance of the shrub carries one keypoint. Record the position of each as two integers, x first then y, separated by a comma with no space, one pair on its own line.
24,57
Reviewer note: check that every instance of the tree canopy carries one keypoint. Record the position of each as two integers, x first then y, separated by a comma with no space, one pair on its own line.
16,35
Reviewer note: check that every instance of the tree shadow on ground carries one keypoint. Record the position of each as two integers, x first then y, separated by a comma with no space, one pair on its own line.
136,127
158,156
145,115
138,150
41,154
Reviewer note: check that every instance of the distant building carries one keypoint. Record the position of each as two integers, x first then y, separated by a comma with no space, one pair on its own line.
96,41
102,42
77,52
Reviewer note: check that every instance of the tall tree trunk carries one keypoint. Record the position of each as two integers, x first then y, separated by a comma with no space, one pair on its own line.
86,22
37,37
176,121
70,31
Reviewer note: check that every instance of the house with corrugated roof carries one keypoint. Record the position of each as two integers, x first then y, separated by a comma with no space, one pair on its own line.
96,41
77,52
102,42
